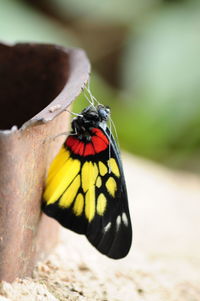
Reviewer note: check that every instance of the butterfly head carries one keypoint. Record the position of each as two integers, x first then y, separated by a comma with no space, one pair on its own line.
103,112
91,117
96,114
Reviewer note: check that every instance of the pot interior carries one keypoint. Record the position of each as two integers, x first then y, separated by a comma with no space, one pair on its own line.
31,76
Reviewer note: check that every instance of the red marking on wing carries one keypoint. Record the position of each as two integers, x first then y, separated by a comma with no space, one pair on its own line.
80,149
71,141
89,149
100,134
99,142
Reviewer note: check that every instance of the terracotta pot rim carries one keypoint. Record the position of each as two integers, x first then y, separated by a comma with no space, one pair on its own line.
79,72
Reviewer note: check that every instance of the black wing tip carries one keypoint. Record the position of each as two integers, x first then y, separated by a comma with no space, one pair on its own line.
116,253
113,244
120,252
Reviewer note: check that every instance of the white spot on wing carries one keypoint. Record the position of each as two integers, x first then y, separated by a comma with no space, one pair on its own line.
107,227
118,222
125,219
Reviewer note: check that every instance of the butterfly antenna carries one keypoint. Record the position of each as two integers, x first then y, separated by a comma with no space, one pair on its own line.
115,131
91,95
93,99
89,98
90,102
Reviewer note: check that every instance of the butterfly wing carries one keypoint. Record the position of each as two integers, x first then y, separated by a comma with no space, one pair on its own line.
86,192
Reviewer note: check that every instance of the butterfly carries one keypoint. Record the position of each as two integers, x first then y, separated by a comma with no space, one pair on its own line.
85,188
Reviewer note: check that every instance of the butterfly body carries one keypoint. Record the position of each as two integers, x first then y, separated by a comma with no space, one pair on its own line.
85,188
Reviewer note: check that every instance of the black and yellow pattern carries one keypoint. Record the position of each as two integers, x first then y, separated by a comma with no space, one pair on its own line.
85,188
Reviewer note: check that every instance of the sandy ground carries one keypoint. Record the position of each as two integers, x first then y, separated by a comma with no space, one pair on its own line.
163,264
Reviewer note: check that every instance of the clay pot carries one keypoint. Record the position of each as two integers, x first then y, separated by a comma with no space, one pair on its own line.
41,81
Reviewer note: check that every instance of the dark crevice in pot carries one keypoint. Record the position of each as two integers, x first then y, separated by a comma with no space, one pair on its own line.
30,78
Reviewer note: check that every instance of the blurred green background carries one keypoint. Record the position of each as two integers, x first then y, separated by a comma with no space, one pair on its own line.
145,57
